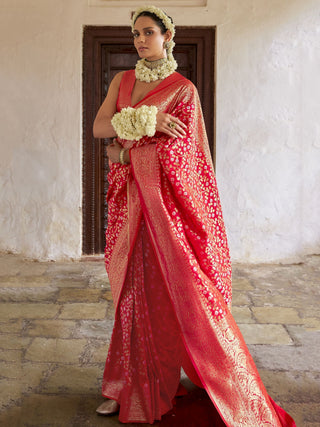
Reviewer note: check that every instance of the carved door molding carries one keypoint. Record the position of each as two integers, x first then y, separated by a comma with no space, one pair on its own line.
106,51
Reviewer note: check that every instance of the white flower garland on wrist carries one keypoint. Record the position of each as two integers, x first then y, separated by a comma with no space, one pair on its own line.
133,123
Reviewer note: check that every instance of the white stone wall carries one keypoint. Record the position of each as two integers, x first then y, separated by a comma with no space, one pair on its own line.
40,108
268,131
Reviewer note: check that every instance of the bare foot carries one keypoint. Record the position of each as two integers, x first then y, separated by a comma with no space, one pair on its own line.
109,407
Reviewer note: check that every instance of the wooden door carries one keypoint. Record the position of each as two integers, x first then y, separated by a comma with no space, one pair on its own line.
106,51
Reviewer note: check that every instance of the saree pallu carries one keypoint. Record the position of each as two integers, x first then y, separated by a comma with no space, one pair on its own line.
169,267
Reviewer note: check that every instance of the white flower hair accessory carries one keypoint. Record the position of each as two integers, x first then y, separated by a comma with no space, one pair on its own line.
169,25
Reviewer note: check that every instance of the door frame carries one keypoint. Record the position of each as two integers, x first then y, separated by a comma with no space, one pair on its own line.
92,159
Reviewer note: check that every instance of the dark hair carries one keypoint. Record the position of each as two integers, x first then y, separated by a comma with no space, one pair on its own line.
156,19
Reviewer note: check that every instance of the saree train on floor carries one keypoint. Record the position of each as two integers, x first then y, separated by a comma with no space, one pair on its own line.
168,263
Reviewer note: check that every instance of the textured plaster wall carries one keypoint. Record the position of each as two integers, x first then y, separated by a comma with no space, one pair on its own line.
268,132
40,128
268,129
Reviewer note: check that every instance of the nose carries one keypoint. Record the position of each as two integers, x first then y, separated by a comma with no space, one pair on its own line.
141,38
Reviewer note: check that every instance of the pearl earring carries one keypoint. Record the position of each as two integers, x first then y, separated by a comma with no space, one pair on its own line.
166,45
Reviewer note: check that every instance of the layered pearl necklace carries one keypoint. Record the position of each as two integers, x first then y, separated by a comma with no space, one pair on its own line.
150,71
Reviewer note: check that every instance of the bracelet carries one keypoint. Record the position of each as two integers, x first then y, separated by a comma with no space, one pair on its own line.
121,154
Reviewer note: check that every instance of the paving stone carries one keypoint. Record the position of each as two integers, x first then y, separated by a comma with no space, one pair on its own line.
313,311
55,350
11,416
294,294
75,379
32,375
240,298
292,386
11,326
282,315
39,370
51,328
304,413
27,375
286,358
24,281
11,355
65,269
99,355
10,264
27,311
313,261
33,268
265,334
304,337
13,342
111,311
10,392
71,282
87,415
194,410
101,329
53,411
28,294
304,356
107,295
79,295
10,370
95,268
304,304
242,315
311,323
101,282
241,284
84,311
263,273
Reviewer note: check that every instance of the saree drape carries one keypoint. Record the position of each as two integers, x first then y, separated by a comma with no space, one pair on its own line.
169,268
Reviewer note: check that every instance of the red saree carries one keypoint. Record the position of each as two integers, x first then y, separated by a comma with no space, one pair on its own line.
168,263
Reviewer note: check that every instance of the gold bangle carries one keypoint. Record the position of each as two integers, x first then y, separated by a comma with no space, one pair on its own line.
121,159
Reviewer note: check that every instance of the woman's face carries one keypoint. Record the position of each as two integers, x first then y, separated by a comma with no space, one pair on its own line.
148,39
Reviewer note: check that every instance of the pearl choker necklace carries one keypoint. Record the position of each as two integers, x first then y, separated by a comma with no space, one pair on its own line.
150,71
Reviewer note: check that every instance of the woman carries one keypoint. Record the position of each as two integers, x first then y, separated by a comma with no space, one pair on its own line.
167,255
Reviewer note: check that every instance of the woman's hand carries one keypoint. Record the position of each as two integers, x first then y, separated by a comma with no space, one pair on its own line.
113,151
170,125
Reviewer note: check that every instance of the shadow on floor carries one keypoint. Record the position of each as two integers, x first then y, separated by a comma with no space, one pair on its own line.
38,410
193,410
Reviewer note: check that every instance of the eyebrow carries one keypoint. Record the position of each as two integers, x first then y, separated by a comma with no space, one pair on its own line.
147,28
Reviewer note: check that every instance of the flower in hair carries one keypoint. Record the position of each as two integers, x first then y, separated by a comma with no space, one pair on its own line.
169,25
160,14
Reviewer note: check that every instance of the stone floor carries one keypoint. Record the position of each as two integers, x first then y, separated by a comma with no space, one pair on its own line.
56,320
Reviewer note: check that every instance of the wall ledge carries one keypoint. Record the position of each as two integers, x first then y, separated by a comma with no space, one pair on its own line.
159,3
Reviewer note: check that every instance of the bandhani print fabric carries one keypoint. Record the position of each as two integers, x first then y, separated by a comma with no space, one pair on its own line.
169,267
